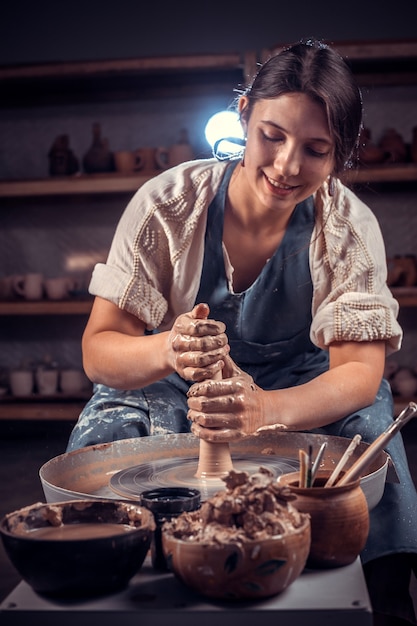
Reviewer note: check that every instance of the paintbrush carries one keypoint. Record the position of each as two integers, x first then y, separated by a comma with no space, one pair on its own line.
357,469
344,459
317,462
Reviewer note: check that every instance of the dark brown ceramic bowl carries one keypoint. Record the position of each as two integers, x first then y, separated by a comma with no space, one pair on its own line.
77,547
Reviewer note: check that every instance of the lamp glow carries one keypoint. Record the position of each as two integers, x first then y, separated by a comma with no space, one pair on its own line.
224,127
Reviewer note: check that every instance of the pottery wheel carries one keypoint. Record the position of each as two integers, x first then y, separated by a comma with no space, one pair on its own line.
180,472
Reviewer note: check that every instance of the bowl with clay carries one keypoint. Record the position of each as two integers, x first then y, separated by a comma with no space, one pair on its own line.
244,543
77,547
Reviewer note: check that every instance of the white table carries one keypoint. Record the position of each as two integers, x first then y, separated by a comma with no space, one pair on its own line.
318,597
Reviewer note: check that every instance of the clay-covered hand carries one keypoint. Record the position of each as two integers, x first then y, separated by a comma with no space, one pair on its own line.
197,346
228,409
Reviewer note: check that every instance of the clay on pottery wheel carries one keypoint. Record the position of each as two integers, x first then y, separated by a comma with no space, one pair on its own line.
214,459
171,460
339,519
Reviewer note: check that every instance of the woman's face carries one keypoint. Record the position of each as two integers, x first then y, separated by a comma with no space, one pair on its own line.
289,149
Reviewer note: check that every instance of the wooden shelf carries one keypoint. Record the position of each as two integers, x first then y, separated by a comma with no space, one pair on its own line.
375,63
69,410
97,81
121,183
47,307
135,66
75,185
401,172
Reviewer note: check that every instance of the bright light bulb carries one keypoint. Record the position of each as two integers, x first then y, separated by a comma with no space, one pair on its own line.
225,125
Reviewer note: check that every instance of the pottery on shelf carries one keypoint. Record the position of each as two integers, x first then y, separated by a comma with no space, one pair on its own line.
402,271
175,154
98,157
62,160
369,152
393,146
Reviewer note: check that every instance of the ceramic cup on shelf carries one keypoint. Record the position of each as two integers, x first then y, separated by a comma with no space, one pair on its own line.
29,286
21,382
125,162
46,381
73,381
7,291
59,288
146,159
174,155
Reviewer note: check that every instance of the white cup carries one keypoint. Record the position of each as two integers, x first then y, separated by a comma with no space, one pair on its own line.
174,155
59,288
72,381
21,382
30,286
46,381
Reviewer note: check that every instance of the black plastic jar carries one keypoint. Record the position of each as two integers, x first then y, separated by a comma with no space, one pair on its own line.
165,504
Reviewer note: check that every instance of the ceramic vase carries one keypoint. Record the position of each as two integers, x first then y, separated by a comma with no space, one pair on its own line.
339,519
98,157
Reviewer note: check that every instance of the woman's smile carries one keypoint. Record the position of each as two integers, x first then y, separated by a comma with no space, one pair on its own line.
279,188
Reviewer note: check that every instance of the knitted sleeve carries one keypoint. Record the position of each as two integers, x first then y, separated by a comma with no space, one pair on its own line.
154,264
351,300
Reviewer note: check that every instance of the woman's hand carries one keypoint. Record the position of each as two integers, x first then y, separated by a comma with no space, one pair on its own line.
197,346
228,409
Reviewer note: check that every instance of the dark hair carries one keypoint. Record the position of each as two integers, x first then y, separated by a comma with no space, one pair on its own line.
313,68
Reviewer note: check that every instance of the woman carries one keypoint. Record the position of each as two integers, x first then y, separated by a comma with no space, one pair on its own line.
267,271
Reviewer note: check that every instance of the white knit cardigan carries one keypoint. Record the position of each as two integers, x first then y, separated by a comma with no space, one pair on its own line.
154,264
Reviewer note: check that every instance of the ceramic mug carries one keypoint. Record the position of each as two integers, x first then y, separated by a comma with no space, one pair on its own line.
46,381
30,286
21,382
146,159
59,288
72,381
176,154
126,162
7,291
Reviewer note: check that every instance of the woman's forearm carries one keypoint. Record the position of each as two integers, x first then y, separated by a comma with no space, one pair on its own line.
325,399
125,362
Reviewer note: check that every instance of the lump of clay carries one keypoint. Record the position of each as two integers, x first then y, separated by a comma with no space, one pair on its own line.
250,508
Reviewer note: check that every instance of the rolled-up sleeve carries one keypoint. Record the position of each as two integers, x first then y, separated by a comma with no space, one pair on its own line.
154,263
351,300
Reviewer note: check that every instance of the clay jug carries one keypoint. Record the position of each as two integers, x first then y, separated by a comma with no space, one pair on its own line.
62,160
98,157
339,519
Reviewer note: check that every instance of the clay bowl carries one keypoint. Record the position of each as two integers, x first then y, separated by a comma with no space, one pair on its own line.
78,547
339,518
238,571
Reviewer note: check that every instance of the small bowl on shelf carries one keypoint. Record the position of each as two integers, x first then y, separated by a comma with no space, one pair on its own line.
77,547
